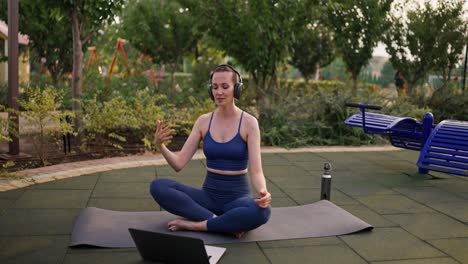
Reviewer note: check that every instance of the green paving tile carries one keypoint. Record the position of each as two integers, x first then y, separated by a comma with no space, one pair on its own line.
242,253
53,199
455,247
359,187
127,257
305,156
398,165
164,171
312,166
304,242
390,243
37,221
404,155
398,179
191,172
368,215
122,204
143,174
422,225
370,169
458,210
194,167
426,195
419,261
274,159
456,186
282,202
122,190
285,171
145,170
313,254
388,155
392,204
13,194
347,176
307,196
5,203
33,249
274,189
296,181
84,182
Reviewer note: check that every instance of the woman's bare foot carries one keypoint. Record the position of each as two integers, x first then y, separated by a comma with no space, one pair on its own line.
183,224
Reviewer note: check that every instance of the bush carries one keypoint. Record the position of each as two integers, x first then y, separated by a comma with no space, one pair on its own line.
102,122
313,114
41,110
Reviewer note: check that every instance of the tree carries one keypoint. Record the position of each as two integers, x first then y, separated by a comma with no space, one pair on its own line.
87,17
358,25
49,35
313,46
452,38
428,37
257,34
163,29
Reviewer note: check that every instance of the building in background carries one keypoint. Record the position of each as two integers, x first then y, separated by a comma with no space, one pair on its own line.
23,41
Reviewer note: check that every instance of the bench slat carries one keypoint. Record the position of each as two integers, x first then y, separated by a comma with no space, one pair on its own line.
446,149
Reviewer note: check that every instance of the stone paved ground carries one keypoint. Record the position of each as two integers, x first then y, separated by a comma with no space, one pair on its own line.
416,218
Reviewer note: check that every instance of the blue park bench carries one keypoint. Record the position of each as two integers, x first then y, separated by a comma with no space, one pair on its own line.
444,147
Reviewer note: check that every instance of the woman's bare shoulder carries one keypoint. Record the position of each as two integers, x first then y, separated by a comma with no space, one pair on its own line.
250,120
202,123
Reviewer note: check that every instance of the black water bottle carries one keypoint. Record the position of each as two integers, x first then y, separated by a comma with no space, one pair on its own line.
326,182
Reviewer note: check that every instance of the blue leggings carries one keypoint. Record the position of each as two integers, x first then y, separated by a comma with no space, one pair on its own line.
227,197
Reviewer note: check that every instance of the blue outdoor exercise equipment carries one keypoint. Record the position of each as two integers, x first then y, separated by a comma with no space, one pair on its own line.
443,146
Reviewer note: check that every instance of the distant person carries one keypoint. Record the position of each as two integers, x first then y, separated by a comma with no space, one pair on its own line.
400,84
231,144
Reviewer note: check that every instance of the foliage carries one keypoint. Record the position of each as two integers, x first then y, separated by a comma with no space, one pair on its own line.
358,27
207,58
6,125
315,118
41,111
147,109
49,34
313,46
258,43
87,18
165,30
428,36
387,74
184,118
449,104
103,120
335,70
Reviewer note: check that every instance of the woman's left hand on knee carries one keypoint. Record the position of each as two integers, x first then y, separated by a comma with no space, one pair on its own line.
264,200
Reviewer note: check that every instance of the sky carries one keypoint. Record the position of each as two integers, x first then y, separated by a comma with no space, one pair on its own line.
380,49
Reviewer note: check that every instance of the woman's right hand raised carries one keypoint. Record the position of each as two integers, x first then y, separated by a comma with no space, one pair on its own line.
163,133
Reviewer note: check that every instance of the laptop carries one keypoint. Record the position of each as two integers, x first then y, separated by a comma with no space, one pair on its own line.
173,249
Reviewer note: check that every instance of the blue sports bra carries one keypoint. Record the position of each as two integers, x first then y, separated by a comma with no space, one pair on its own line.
231,156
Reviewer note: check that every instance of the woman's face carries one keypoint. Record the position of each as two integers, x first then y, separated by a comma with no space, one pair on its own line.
223,88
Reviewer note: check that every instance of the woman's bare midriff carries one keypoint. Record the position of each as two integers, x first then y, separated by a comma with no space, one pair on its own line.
227,172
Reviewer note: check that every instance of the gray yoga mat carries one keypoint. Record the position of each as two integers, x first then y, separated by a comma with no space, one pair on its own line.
105,228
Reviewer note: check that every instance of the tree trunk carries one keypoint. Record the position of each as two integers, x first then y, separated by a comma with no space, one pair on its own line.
77,68
355,83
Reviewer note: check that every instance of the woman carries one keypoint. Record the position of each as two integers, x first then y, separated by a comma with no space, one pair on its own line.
231,140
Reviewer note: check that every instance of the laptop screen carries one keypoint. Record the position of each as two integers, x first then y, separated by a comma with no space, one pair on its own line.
168,248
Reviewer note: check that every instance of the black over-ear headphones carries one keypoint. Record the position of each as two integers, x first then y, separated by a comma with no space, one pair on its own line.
237,86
